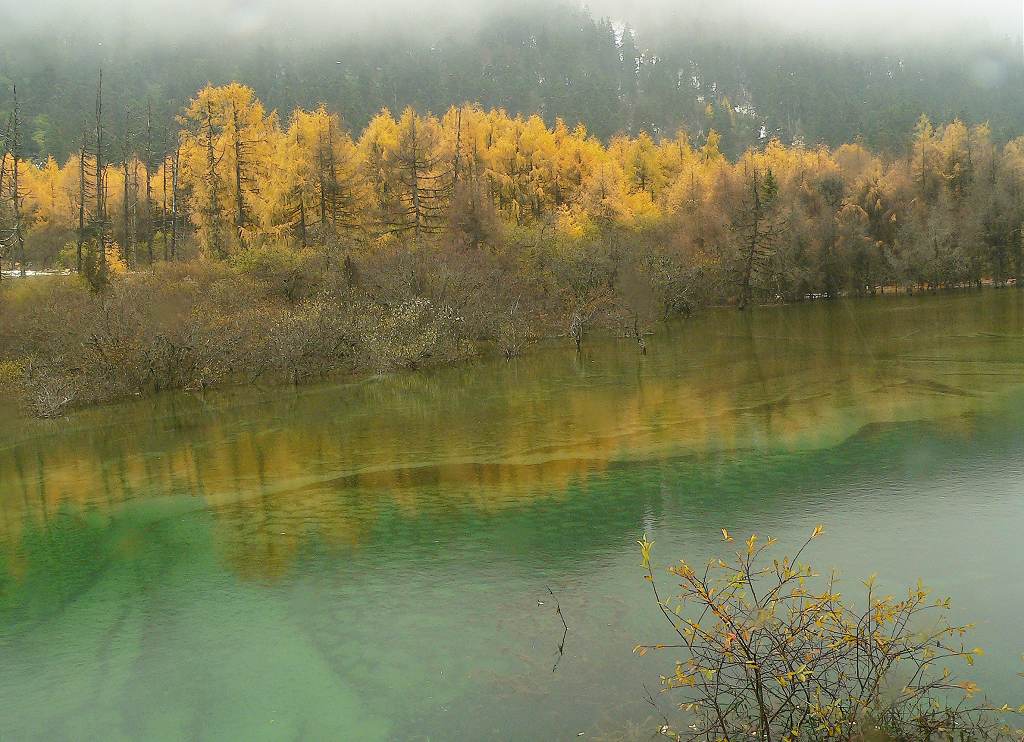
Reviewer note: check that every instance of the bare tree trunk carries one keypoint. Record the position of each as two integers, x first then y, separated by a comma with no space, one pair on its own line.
211,175
415,182
325,165
239,201
81,205
1018,265
576,329
746,290
100,196
128,246
458,148
323,202
3,171
639,336
332,168
174,201
147,165
15,147
163,206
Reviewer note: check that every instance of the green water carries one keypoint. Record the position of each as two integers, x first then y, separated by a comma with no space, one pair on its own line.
372,561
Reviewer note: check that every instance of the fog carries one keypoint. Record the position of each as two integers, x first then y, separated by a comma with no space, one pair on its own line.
863,20
844,21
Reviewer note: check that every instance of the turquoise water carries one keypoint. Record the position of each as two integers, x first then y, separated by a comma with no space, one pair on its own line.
372,561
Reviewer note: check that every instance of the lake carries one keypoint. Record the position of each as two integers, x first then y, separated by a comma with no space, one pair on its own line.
372,560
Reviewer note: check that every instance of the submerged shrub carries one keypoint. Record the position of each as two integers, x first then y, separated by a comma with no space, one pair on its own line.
199,325
769,649
411,333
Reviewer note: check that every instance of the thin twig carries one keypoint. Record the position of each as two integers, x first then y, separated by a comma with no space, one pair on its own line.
565,629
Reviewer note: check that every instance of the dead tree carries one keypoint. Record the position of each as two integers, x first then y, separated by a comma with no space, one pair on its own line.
4,152
100,225
212,183
82,196
757,231
239,200
14,238
175,167
302,220
16,194
130,191
163,207
147,166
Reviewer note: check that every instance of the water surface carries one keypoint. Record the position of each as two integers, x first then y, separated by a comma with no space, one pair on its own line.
372,561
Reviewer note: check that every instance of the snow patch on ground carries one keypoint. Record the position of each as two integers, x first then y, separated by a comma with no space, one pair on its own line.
32,274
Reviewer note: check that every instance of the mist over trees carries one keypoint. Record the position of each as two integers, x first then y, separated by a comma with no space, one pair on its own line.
558,61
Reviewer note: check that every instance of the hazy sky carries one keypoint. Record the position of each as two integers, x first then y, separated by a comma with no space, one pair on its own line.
837,19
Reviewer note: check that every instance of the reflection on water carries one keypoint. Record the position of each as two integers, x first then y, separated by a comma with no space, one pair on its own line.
365,561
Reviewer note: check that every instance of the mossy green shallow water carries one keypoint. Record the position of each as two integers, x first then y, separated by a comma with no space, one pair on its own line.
369,561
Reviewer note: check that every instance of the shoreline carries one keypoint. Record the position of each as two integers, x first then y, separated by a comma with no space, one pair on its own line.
483,351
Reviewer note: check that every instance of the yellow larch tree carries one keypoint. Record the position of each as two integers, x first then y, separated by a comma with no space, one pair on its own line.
227,146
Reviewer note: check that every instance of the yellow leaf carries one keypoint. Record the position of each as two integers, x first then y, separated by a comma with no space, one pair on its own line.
726,536
818,530
645,550
969,688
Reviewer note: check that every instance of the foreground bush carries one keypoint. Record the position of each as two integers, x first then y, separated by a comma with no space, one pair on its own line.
770,650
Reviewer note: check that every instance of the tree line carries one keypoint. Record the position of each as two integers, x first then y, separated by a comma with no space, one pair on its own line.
239,245
777,223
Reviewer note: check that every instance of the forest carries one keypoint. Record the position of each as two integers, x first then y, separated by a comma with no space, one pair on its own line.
777,223
262,246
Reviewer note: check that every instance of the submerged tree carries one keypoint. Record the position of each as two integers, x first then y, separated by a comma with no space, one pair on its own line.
756,227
